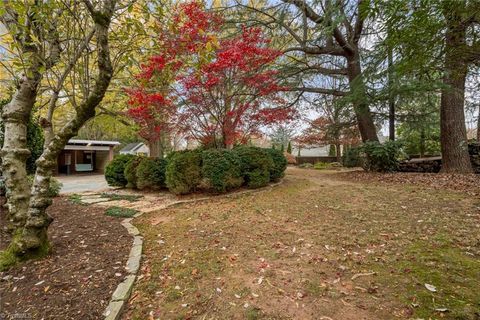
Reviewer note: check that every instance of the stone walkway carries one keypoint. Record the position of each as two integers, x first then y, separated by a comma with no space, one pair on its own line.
143,203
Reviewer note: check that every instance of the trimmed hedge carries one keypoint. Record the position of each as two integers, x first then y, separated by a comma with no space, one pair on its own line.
215,170
255,165
184,171
114,172
151,173
279,164
131,172
221,170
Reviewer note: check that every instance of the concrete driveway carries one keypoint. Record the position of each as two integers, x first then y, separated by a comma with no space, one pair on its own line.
83,183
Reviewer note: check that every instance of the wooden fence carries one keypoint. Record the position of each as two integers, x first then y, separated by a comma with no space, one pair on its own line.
313,160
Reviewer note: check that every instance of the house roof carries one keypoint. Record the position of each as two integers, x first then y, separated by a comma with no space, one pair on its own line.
131,147
92,142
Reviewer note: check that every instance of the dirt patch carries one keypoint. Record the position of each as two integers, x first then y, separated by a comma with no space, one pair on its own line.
77,280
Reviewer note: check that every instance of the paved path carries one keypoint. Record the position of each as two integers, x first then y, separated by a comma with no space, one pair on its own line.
83,183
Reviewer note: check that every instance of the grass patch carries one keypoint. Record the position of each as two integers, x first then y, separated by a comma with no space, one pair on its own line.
76,199
120,212
292,253
321,165
117,197
455,275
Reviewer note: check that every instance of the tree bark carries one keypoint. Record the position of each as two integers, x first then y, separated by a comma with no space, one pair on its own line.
454,143
338,152
391,98
366,126
14,153
422,142
33,236
154,148
478,126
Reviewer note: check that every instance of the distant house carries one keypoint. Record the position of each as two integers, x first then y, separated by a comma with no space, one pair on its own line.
136,148
85,156
311,151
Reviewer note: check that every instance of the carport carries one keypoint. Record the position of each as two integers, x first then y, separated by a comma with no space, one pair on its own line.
85,156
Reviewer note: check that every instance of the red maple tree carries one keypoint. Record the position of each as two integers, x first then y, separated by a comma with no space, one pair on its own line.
153,100
326,130
229,98
217,91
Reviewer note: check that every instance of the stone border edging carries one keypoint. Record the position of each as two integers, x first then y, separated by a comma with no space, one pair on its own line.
122,293
124,289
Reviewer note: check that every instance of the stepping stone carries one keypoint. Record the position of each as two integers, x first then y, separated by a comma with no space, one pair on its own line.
94,200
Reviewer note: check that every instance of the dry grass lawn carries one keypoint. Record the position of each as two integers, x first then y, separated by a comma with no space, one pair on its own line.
315,247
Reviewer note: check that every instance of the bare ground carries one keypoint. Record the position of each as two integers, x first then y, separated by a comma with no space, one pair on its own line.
322,245
77,279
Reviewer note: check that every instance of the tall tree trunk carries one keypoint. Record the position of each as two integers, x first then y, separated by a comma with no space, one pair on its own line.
422,143
454,144
478,126
32,237
339,152
366,126
391,98
154,148
14,153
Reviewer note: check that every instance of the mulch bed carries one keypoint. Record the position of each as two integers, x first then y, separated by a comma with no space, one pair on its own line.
77,279
469,183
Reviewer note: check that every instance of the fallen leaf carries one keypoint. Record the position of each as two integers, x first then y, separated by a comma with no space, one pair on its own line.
430,287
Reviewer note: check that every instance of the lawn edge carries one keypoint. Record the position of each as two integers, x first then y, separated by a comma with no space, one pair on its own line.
122,293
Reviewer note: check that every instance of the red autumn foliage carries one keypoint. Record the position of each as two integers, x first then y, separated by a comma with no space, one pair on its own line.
152,105
326,131
215,91
233,95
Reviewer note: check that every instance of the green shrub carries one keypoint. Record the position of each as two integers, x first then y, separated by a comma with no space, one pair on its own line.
321,165
184,171
53,189
151,173
279,164
351,157
221,170
306,165
131,172
381,157
255,165
114,172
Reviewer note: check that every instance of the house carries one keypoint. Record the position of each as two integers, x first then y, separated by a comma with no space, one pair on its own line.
136,148
85,156
322,151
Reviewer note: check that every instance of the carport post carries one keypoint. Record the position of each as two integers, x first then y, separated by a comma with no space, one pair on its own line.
110,153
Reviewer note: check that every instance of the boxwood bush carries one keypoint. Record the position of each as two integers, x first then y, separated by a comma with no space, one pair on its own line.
255,165
184,171
131,172
114,172
279,164
151,173
381,157
221,170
